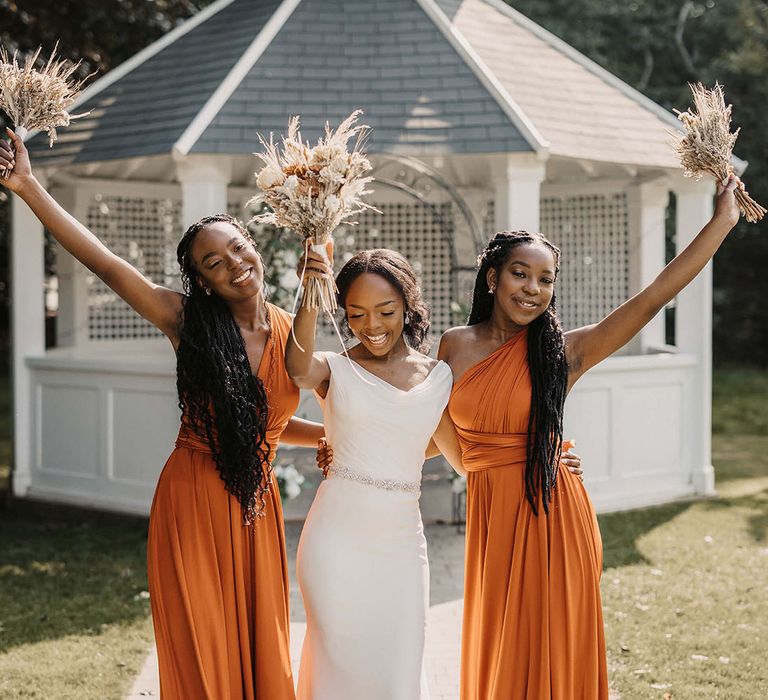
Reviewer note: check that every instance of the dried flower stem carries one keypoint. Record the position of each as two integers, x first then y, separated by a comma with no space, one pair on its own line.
38,99
706,146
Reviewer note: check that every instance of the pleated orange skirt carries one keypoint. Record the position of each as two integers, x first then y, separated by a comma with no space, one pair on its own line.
218,589
533,623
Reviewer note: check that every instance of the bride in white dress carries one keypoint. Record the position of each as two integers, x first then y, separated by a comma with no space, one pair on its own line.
362,559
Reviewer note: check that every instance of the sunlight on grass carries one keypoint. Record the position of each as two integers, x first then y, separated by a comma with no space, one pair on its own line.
685,584
74,616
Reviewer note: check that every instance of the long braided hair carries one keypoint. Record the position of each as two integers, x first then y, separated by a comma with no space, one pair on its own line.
547,365
219,397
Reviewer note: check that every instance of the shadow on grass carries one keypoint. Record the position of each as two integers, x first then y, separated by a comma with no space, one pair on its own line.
621,531
68,572
756,503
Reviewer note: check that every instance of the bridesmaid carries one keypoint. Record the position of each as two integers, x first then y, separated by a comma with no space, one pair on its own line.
533,624
218,574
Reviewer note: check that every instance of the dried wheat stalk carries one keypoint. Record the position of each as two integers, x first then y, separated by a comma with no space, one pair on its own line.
706,145
38,99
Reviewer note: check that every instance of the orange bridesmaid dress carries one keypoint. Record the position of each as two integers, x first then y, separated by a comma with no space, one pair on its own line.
219,589
533,624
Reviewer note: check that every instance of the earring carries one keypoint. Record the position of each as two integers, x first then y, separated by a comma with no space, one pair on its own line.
490,290
407,319
208,291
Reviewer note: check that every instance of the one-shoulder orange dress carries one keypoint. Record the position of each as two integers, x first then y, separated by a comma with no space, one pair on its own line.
533,624
218,588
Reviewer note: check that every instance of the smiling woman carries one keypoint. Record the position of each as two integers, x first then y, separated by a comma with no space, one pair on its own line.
382,405
217,566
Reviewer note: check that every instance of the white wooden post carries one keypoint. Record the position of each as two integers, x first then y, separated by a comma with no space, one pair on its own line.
647,204
72,316
27,331
517,179
693,327
204,183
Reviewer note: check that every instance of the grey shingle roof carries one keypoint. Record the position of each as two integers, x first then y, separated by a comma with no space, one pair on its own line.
384,56
145,111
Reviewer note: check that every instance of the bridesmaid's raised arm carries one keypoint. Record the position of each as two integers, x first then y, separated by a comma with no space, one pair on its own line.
587,346
159,305
307,368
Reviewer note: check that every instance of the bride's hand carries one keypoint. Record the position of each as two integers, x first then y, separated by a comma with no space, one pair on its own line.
312,264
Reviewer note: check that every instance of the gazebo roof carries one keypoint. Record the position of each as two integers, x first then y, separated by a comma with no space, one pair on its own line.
433,77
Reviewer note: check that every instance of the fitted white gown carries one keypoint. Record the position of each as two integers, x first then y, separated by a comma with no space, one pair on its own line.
362,557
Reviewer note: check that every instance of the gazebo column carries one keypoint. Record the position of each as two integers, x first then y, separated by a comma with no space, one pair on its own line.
27,329
693,327
517,179
204,183
647,206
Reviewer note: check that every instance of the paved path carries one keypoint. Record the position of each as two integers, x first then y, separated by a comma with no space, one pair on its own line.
446,556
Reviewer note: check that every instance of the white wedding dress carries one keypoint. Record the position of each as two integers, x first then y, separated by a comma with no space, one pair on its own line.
362,558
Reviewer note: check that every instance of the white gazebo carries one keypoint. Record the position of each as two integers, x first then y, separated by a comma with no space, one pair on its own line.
482,121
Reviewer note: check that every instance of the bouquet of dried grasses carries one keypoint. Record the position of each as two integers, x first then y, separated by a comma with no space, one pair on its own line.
38,99
706,145
312,190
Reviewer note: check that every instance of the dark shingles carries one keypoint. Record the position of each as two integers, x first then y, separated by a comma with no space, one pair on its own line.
389,59
147,110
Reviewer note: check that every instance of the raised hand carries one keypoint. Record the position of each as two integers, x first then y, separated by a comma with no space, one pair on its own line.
14,161
312,264
726,206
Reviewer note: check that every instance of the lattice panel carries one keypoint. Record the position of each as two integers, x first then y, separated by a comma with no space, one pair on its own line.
422,234
489,221
145,232
592,233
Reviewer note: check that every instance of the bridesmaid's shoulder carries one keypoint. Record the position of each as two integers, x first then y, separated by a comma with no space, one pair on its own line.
454,338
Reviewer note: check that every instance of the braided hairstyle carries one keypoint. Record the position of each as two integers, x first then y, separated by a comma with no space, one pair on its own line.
219,397
394,268
546,362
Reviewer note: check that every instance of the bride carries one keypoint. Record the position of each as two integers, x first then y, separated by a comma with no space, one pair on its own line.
362,559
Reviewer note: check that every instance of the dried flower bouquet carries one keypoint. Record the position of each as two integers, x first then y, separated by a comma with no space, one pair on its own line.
706,145
312,190
38,99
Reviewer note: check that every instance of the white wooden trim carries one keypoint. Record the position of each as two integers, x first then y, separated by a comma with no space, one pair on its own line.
596,69
243,66
491,83
143,56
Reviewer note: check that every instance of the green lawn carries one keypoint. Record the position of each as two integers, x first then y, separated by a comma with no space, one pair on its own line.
684,587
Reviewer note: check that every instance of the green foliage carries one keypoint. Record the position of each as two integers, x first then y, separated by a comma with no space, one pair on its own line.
659,47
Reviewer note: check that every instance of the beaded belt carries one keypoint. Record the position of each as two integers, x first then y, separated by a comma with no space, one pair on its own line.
385,484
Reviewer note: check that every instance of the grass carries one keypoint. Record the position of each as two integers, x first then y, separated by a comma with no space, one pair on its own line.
73,620
684,585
